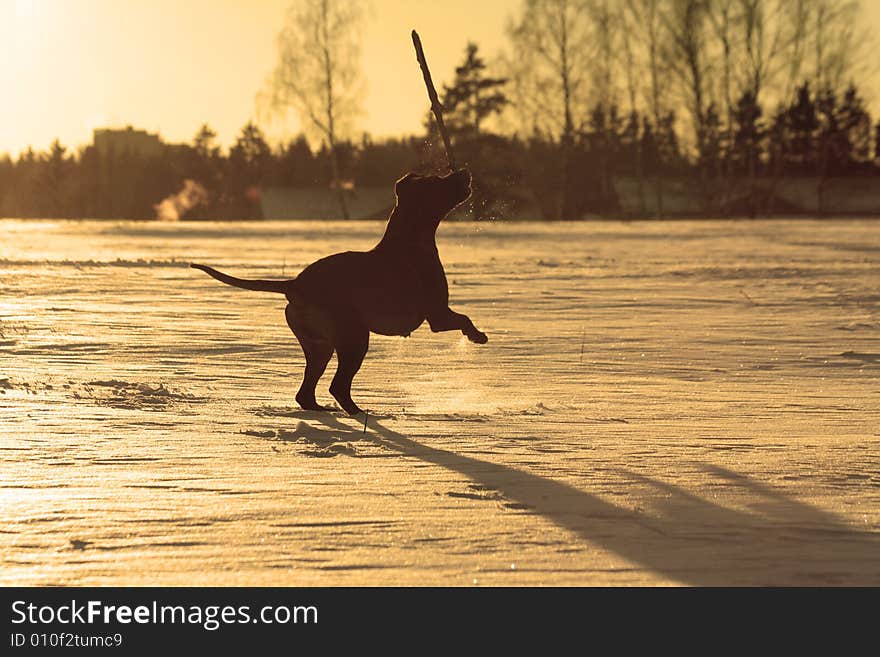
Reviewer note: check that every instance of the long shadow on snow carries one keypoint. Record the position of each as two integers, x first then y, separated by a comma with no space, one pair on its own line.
685,537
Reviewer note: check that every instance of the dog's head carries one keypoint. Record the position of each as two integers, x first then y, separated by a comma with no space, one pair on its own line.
430,198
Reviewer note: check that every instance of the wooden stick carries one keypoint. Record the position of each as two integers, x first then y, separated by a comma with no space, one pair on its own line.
432,95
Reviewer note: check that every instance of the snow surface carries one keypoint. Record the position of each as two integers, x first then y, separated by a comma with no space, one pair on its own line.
659,403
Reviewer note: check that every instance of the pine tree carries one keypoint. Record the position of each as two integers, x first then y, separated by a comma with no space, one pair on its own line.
593,162
877,143
204,142
473,97
855,127
778,145
710,157
748,134
248,158
469,102
631,158
667,142
629,138
801,126
56,168
832,147
296,163
204,161
247,169
650,150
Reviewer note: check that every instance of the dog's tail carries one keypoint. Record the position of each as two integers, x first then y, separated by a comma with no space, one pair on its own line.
282,287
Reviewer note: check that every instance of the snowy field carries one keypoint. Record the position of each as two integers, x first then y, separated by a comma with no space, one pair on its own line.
659,403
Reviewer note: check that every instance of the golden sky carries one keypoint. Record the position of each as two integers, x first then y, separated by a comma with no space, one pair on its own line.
68,66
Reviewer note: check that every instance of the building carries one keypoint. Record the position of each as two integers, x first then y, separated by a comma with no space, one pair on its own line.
127,140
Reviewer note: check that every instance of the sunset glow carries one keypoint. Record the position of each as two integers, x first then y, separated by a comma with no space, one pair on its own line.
69,66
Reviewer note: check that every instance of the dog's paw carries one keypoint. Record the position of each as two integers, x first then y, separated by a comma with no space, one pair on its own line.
477,336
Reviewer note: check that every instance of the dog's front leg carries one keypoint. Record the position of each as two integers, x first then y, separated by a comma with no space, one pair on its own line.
449,320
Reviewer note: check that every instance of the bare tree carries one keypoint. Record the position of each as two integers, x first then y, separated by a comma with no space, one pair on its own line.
607,60
759,45
798,15
645,17
722,17
318,73
762,43
626,23
687,57
604,87
714,59
838,42
552,47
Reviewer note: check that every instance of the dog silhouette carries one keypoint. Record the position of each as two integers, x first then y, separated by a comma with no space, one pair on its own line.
337,301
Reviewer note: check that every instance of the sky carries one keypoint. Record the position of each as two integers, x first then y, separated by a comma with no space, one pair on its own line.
167,66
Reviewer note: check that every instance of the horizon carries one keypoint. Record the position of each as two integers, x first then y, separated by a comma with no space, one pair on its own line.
96,45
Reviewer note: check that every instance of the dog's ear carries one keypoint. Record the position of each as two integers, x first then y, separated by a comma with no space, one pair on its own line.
404,182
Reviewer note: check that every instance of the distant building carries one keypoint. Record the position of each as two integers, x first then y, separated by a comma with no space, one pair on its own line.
127,140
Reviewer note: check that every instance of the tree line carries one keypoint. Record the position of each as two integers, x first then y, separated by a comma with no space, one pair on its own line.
89,183
733,95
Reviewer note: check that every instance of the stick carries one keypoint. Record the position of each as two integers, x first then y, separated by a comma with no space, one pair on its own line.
432,95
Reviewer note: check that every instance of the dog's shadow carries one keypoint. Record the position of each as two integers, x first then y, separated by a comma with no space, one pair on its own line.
685,537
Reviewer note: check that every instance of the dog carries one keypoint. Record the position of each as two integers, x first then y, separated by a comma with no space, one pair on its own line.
337,301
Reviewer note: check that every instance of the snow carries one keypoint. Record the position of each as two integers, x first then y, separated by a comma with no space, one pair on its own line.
659,403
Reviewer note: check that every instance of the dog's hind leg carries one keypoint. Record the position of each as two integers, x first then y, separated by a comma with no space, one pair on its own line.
317,351
318,354
350,351
449,320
